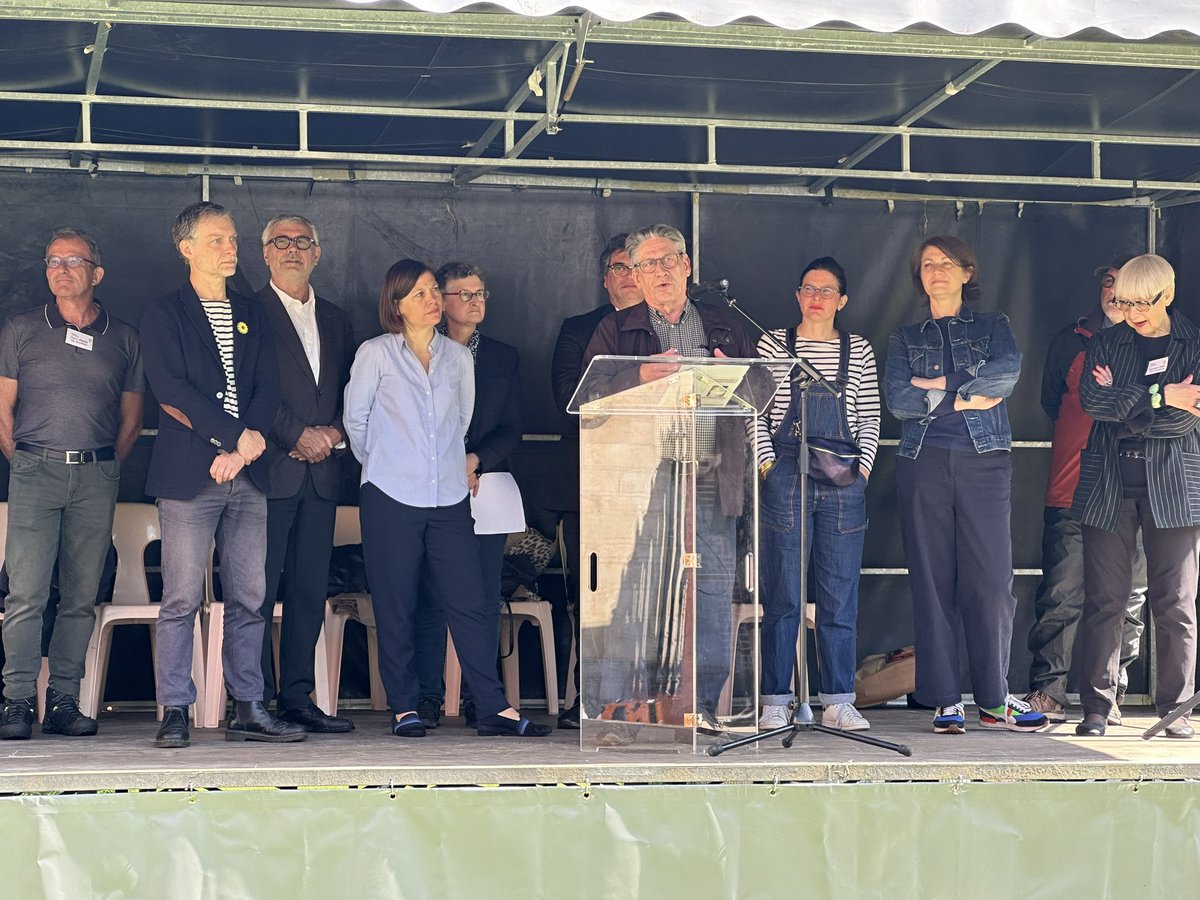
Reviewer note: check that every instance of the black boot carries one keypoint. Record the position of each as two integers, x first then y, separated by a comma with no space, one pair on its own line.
252,722
173,732
63,716
16,721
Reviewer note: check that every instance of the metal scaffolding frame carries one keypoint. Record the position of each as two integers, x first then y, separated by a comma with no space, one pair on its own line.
547,79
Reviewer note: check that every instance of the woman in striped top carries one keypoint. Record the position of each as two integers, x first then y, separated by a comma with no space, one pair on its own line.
837,515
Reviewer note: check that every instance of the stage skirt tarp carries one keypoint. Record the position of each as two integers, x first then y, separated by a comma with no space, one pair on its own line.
1082,839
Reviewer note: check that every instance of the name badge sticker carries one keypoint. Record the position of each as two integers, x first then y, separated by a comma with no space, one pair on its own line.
84,341
1157,365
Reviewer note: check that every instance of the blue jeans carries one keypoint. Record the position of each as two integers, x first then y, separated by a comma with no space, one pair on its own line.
235,513
835,531
53,507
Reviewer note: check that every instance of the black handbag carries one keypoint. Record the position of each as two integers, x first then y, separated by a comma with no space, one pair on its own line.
830,460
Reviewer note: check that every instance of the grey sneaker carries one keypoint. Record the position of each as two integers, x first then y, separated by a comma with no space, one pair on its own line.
775,717
1040,701
844,717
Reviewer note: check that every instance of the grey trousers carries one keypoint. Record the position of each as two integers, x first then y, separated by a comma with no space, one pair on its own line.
1060,600
235,513
50,506
1171,570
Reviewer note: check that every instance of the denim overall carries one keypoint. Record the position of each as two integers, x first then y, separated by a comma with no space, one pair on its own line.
836,529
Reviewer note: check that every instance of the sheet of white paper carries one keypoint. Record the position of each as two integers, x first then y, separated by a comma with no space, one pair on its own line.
497,507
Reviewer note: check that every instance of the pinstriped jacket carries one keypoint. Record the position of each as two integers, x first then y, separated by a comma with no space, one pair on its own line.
1172,442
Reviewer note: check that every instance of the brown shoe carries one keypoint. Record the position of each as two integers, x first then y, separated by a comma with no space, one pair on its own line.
1040,701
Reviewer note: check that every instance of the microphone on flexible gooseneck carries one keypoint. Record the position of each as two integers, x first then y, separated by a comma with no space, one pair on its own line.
707,288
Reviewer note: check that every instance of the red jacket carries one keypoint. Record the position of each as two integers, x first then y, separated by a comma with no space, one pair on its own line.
1060,400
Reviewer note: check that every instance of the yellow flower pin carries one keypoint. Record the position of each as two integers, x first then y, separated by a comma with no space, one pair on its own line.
243,328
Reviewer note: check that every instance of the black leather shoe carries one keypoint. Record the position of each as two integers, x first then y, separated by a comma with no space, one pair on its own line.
1091,726
430,712
313,720
1180,729
470,716
16,721
252,722
569,718
173,732
63,716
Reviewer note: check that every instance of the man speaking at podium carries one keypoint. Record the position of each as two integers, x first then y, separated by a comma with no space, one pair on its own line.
669,325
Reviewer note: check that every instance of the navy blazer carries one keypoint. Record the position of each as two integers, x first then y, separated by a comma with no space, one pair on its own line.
304,400
495,430
183,367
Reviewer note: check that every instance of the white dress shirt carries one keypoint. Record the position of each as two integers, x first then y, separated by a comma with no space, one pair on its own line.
304,318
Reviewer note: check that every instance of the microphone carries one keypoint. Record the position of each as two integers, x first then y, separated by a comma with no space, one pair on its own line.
705,288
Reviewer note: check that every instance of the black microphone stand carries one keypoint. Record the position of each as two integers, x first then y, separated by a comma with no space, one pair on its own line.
805,378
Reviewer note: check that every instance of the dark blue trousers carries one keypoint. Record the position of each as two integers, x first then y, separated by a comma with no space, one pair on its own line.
399,539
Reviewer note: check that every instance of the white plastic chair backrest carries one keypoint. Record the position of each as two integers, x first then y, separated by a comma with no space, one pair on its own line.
135,526
346,527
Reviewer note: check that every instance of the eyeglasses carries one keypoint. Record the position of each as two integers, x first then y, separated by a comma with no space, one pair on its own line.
668,260
810,291
945,265
1108,280
71,262
1139,305
469,296
620,268
283,242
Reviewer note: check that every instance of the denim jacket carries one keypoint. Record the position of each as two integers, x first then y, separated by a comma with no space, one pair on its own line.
982,343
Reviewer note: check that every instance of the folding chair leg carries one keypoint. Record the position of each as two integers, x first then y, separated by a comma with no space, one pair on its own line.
549,663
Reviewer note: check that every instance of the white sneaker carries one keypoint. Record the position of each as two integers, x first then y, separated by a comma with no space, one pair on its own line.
775,717
844,717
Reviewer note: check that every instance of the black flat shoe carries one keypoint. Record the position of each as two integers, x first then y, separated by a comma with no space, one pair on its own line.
408,726
1090,729
500,726
314,720
569,718
173,732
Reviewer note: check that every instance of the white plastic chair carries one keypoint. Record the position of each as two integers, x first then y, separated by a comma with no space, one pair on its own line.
214,667
135,527
744,614
343,607
43,679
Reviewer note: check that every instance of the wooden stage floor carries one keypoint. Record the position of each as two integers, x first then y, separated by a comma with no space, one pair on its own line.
122,757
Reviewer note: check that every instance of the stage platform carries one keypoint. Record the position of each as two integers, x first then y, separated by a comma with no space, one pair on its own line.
122,757
985,814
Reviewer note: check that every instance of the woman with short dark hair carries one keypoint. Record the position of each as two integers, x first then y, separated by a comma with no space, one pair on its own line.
407,408
946,380
1140,469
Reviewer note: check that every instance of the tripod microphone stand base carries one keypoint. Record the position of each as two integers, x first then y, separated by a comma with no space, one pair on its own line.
802,720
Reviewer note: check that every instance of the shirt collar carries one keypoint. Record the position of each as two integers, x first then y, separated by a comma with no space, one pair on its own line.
689,309
55,320
289,300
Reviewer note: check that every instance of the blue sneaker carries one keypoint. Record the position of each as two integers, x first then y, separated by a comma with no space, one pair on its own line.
1014,715
949,720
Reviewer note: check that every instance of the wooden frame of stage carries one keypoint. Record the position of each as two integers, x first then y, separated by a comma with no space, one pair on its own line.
122,757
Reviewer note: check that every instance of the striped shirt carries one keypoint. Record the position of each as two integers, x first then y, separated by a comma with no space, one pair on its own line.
220,319
862,391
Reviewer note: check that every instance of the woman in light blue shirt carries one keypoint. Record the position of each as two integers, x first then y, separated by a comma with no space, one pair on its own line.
407,408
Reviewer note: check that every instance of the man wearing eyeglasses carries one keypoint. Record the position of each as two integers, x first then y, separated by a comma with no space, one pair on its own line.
669,325
314,346
71,390
566,368
1060,595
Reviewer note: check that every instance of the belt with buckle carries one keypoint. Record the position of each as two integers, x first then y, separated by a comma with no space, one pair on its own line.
70,457
1131,454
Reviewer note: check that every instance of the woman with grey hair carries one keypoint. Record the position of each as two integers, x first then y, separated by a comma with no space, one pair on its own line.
1141,468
